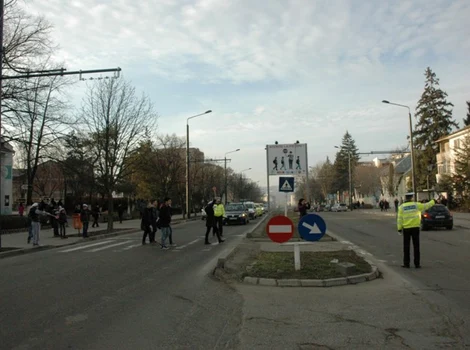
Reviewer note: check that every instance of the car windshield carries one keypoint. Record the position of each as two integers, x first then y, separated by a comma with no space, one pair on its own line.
235,207
249,205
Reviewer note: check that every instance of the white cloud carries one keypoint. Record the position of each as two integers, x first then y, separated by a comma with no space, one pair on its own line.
321,67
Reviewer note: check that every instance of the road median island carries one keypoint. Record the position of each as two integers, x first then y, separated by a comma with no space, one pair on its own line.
324,263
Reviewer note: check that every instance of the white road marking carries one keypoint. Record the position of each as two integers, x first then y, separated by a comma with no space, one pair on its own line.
85,246
107,247
187,244
132,246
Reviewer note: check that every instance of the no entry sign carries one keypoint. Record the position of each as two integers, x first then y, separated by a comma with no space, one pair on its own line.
280,229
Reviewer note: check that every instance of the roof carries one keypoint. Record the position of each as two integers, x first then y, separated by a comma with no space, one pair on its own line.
5,147
403,166
454,134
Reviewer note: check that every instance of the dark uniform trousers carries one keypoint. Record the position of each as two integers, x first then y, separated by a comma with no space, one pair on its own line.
408,235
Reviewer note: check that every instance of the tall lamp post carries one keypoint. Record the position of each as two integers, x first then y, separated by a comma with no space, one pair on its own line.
413,172
225,172
241,181
187,162
350,178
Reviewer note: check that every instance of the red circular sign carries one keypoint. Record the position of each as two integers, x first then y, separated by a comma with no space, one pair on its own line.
280,229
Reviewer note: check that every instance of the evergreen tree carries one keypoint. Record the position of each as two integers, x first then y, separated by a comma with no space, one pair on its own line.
461,178
466,120
341,165
434,120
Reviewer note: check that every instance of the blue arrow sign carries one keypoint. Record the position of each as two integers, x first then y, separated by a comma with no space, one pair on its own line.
312,227
286,184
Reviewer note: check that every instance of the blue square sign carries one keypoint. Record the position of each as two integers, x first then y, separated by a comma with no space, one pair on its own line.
286,184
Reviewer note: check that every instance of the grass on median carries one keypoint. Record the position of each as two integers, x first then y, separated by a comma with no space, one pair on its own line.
314,265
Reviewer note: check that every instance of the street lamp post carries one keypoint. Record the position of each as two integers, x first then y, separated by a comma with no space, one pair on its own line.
241,182
350,178
187,162
413,172
225,172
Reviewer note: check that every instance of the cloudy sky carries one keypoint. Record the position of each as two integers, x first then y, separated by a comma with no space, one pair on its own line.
272,70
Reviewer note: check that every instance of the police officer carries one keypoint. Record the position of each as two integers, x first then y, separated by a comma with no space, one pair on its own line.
408,224
219,214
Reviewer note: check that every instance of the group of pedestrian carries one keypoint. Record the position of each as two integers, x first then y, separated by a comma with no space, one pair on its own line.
156,216
215,213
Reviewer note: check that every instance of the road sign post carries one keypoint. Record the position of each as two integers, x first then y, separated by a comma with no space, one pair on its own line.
280,229
312,227
286,184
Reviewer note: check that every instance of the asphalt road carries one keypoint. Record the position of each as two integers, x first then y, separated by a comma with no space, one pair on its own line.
118,294
444,254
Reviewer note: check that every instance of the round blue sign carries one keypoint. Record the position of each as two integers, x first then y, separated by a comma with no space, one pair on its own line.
312,227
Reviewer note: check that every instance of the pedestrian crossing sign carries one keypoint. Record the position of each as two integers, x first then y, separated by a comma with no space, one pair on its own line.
286,184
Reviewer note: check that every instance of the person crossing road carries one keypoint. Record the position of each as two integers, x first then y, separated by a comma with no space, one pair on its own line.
408,224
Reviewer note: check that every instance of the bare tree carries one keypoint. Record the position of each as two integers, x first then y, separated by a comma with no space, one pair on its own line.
117,120
36,121
368,179
27,45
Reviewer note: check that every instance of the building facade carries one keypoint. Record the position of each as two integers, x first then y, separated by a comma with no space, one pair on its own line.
448,145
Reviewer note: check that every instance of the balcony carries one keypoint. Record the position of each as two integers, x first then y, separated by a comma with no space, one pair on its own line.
441,157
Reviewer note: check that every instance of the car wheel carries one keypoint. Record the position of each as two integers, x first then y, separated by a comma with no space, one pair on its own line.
449,227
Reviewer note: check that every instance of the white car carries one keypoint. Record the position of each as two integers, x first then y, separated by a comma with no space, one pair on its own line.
339,207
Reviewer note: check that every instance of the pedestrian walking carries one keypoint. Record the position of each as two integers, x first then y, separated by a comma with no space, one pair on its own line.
121,212
303,207
396,205
210,222
21,209
95,213
155,212
408,224
146,223
164,221
219,214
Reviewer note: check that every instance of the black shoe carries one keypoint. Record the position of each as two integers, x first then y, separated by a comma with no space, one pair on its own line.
207,243
405,266
418,266
222,241
29,240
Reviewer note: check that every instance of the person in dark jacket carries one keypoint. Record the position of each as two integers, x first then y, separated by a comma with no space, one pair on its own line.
62,219
155,213
85,219
164,221
303,207
210,222
147,219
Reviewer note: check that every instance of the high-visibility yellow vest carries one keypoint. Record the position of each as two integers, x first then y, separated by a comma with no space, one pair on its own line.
409,214
219,210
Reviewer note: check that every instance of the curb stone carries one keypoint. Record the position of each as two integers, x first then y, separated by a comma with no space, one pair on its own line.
330,282
217,269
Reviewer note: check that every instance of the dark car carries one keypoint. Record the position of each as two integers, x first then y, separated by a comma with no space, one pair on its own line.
437,216
236,213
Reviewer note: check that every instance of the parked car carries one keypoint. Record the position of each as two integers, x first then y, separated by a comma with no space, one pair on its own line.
437,216
319,208
236,213
339,207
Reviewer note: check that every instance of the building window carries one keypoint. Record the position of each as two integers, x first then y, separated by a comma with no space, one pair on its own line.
457,143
